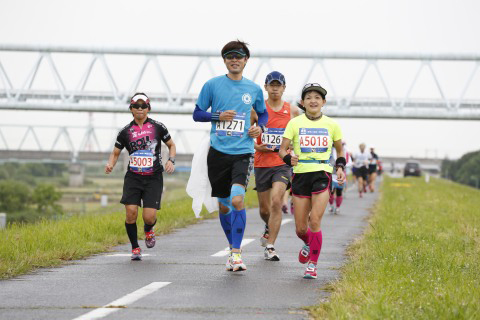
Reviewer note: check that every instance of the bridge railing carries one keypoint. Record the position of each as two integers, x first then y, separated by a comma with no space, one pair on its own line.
166,76
77,139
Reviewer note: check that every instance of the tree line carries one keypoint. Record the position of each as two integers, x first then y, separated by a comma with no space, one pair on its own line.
24,195
465,170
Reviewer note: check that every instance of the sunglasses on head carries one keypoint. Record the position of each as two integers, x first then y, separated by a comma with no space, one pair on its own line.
139,106
308,85
231,56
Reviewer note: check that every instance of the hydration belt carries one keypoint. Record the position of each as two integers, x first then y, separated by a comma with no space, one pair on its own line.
314,161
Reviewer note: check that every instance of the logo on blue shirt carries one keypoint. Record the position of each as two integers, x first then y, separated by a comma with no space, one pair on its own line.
247,98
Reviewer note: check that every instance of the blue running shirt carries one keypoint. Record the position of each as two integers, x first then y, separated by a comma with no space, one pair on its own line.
222,94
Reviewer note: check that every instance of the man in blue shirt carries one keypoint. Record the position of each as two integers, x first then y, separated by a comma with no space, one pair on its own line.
231,98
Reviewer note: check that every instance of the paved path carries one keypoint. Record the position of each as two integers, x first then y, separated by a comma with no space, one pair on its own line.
184,276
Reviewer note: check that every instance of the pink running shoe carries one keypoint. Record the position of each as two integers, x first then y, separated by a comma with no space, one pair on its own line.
137,254
304,254
311,271
150,239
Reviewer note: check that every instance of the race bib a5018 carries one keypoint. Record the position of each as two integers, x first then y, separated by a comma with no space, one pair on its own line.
314,140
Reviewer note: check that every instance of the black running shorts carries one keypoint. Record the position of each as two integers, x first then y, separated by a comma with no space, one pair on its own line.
266,176
372,168
362,172
304,185
138,188
224,170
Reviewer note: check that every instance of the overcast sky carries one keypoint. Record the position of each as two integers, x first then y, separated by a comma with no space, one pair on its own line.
351,26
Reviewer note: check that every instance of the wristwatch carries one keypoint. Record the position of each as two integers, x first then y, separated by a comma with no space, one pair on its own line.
172,160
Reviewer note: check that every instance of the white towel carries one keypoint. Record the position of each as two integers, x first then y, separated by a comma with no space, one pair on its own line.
198,186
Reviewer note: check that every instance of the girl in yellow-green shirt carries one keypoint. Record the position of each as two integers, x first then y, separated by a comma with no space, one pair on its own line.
312,135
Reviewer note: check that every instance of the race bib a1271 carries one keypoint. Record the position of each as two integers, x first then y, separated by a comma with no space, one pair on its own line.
234,128
273,137
141,161
314,140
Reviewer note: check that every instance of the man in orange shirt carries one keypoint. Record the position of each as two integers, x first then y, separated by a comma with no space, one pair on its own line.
272,175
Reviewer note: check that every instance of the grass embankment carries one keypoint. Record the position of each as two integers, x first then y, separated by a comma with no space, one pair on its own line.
420,259
24,247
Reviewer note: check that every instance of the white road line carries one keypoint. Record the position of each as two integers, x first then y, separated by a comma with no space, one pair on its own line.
123,301
226,251
285,221
126,255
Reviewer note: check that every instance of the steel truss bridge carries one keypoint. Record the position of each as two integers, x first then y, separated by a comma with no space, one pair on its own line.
79,97
63,144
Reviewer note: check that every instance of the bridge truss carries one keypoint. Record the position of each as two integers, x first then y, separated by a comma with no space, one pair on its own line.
80,94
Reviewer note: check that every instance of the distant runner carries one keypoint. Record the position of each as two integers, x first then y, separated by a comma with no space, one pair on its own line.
361,160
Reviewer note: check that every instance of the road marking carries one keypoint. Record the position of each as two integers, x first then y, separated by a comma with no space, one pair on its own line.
226,251
126,255
123,301
285,221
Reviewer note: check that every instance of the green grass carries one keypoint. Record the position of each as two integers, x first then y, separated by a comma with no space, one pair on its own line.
25,247
420,259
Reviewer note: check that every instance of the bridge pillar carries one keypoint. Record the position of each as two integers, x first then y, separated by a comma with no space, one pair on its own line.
77,175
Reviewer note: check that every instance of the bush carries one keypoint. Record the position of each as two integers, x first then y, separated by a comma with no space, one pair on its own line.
45,197
14,196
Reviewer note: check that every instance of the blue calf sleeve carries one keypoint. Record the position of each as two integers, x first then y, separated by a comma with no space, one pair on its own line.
226,219
239,218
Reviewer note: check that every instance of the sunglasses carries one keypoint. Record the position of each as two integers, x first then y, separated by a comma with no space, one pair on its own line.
231,56
139,106
308,85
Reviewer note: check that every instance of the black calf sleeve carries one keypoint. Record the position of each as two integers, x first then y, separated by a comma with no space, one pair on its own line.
339,192
132,234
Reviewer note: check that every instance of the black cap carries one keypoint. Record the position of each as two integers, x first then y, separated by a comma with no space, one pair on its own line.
314,87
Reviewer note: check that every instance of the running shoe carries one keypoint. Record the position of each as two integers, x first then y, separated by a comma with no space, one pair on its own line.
285,209
137,254
331,209
150,238
264,237
304,254
292,209
237,262
229,264
360,195
337,210
270,254
311,271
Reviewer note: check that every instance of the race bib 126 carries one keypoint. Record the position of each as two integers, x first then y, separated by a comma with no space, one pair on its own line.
234,128
273,137
141,161
314,140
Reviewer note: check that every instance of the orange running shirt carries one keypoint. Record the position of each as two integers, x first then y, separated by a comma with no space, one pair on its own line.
277,122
